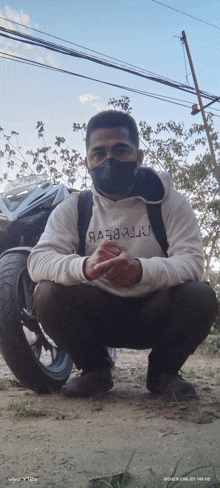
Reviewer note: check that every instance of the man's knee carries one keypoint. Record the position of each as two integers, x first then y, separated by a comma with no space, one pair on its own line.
199,298
46,297
193,310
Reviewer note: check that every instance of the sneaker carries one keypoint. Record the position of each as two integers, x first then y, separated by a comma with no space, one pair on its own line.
90,384
171,384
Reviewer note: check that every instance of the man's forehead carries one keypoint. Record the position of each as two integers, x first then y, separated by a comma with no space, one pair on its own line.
109,136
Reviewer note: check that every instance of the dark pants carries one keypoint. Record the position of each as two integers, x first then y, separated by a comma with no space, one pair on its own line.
84,320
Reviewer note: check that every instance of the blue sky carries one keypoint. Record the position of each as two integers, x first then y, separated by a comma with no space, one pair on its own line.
140,32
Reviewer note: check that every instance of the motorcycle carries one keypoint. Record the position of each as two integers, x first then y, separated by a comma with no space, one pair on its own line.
35,360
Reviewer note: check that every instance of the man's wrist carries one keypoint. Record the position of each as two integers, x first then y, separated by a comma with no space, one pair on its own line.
139,270
84,270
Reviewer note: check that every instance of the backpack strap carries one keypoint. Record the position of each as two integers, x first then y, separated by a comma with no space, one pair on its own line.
85,204
156,221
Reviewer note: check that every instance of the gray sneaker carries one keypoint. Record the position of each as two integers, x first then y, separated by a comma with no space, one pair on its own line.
171,384
90,384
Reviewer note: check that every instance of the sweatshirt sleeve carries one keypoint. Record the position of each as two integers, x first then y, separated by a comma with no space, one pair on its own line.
185,260
55,256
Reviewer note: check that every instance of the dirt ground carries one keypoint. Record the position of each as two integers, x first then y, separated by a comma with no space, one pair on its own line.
55,441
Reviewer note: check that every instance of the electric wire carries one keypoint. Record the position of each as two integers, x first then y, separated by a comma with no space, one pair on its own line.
97,52
54,68
163,98
184,56
25,38
123,63
188,15
41,43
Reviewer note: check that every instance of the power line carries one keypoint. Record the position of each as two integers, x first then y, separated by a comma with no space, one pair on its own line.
30,62
25,38
123,66
110,57
54,68
70,42
188,15
123,63
187,81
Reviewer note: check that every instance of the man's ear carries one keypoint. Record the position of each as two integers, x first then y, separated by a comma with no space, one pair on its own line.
140,157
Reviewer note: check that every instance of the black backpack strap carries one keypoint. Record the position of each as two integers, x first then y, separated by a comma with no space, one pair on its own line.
156,222
85,204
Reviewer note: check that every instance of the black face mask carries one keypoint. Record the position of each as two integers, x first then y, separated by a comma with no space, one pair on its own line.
114,177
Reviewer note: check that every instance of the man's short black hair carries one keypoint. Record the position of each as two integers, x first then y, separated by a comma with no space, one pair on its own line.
113,118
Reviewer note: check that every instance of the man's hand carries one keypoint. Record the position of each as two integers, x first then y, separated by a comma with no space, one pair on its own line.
123,270
116,265
105,252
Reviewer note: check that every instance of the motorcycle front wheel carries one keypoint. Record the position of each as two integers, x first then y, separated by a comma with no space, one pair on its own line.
35,360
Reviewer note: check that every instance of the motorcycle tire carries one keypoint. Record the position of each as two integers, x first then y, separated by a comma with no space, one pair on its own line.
38,363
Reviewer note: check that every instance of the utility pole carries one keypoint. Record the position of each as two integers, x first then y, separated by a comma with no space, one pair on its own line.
216,167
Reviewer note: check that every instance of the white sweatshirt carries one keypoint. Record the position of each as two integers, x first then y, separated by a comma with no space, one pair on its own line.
126,221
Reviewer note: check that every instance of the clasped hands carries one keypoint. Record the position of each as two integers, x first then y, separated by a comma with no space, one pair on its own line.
114,263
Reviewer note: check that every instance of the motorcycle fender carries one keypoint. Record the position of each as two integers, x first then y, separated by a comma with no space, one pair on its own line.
17,249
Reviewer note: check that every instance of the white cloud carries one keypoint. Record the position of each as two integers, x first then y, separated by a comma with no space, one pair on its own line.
7,15
14,15
7,50
51,59
48,58
7,46
92,101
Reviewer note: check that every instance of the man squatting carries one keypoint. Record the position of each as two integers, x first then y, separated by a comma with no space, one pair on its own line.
124,292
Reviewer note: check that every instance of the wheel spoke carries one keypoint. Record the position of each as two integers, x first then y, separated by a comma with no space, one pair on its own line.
27,317
39,341
53,353
27,292
31,320
52,350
